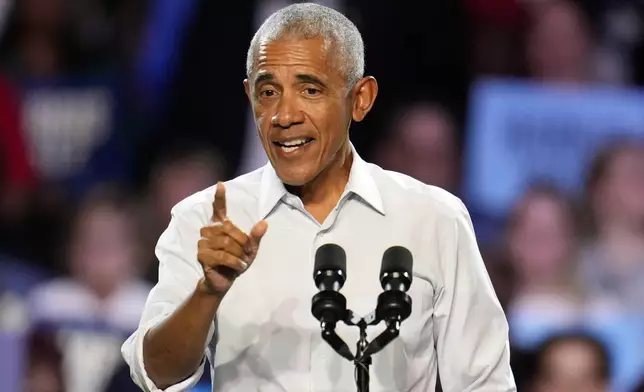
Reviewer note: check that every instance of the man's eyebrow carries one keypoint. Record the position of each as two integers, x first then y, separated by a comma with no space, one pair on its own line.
267,77
305,78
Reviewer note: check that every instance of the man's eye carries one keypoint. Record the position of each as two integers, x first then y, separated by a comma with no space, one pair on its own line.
312,91
267,93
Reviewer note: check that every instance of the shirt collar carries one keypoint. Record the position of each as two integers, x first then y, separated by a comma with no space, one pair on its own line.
361,183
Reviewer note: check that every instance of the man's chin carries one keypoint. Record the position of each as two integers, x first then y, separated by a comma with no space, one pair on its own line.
294,181
295,178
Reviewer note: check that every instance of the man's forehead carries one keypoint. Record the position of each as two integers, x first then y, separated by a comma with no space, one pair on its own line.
303,56
317,42
292,51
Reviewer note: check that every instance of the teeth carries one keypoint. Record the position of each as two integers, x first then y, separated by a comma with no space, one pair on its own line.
294,142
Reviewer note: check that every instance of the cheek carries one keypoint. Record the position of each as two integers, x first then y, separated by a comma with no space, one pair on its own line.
261,114
263,125
332,122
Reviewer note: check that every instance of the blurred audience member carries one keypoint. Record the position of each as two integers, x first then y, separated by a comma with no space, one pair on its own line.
20,218
103,258
559,43
44,364
71,103
613,257
572,363
37,40
177,174
59,116
613,261
542,249
495,36
422,143
102,300
49,38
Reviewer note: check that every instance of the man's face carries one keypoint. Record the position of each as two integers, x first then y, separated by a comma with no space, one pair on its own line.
301,105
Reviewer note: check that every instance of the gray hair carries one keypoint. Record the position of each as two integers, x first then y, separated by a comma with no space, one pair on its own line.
310,20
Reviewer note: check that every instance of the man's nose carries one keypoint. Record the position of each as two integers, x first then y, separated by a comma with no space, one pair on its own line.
288,113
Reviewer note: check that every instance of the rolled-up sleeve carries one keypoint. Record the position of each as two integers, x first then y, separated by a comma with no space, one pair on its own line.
470,327
179,272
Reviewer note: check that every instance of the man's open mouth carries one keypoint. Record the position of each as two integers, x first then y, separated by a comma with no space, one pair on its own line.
293,144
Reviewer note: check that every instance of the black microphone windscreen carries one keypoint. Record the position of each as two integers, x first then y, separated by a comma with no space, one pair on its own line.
330,256
397,259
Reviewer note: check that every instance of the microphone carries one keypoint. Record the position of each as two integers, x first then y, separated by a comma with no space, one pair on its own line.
394,305
396,268
329,306
329,271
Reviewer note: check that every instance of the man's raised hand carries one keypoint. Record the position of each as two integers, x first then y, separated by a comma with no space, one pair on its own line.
224,250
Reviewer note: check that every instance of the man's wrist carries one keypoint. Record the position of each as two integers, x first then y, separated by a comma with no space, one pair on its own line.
204,288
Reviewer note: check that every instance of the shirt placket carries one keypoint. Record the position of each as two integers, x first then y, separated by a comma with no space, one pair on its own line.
323,232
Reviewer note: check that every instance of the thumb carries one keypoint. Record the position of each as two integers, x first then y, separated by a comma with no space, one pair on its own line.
257,232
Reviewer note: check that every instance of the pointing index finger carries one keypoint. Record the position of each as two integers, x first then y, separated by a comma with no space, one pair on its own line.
219,204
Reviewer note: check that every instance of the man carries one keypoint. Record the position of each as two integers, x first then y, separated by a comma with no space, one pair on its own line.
235,275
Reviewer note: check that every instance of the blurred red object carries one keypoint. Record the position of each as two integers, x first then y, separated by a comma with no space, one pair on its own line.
496,12
16,166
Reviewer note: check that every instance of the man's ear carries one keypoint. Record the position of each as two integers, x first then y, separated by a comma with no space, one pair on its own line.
247,88
364,95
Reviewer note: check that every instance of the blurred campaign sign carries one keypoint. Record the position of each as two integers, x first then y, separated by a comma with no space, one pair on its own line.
520,133
66,120
72,124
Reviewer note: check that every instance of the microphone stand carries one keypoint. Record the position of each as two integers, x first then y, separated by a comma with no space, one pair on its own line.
387,301
362,362
365,349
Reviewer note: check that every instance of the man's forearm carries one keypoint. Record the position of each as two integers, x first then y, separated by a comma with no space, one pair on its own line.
175,348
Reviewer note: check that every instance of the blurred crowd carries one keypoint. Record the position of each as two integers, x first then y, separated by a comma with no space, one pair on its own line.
112,111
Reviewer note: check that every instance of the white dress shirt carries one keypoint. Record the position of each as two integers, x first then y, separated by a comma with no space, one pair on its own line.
264,337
